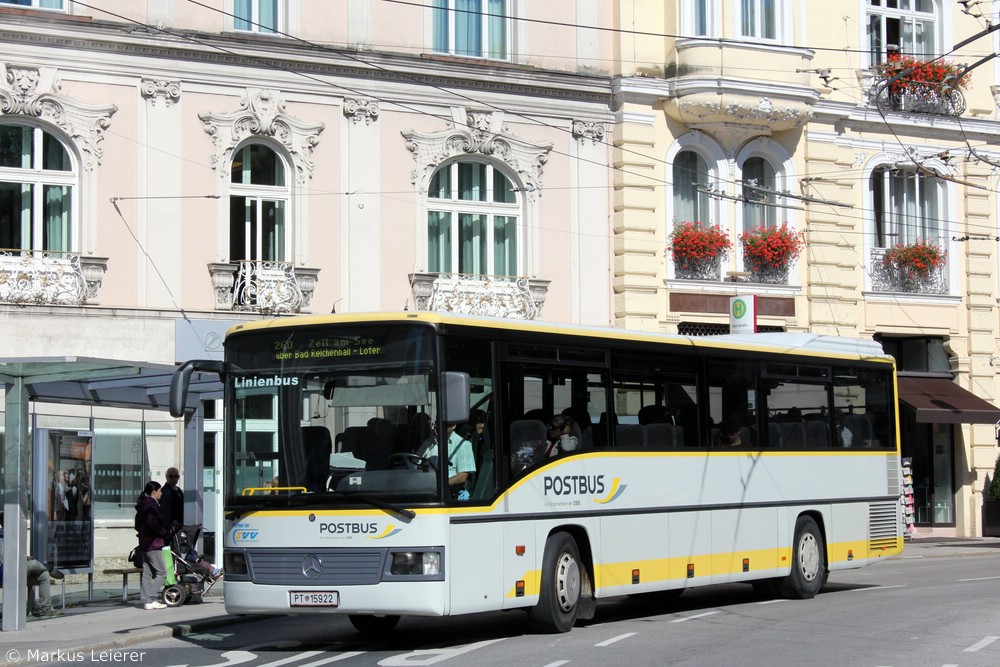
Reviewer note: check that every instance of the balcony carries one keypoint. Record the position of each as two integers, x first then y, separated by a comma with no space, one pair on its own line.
493,296
917,99
35,277
265,287
912,85
889,278
735,91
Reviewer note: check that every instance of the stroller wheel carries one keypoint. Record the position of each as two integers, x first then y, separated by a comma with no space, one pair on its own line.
174,596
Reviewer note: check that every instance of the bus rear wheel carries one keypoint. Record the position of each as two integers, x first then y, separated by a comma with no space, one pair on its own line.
561,585
809,571
373,625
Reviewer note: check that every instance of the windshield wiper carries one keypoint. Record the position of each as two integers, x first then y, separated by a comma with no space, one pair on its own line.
391,508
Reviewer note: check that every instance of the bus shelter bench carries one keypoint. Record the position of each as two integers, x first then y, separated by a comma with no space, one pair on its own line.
124,572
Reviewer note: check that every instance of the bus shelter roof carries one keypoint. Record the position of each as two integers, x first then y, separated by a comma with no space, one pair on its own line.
103,382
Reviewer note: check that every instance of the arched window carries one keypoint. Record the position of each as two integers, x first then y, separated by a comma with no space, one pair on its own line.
37,181
473,220
258,205
905,207
690,173
759,184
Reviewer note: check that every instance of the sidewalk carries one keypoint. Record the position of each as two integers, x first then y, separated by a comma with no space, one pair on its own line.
107,623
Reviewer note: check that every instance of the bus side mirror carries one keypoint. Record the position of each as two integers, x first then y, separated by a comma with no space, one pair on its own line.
456,397
182,379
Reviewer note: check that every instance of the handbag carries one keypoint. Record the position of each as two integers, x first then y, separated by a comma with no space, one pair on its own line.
135,557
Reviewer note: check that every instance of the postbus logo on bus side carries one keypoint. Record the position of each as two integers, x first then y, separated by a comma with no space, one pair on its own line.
577,485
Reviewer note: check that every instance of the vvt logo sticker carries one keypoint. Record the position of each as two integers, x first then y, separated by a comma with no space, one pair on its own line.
244,532
617,489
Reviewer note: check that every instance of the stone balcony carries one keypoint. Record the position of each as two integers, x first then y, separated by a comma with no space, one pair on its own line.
35,277
264,287
494,296
738,91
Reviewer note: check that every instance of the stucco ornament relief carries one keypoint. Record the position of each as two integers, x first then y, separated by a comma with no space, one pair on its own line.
154,89
262,114
361,110
588,129
34,91
477,133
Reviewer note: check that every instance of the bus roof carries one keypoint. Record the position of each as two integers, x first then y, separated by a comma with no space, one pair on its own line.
789,343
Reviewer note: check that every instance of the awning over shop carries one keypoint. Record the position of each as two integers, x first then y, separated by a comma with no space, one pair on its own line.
941,401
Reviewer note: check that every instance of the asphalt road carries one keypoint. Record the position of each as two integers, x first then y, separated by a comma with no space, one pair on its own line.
901,613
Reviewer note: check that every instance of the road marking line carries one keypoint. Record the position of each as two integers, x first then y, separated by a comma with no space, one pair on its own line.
981,644
335,658
557,663
291,658
979,579
688,618
772,601
608,642
875,588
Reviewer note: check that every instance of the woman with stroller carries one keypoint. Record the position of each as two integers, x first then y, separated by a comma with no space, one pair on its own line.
151,542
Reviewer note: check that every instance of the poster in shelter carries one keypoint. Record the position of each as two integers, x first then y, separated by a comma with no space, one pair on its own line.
70,506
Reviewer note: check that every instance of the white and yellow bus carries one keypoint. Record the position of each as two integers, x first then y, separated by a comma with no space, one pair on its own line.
770,459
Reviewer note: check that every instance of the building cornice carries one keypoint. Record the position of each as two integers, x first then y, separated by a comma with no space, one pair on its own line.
299,58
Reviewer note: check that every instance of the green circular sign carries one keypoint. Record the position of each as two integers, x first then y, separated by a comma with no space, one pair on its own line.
739,308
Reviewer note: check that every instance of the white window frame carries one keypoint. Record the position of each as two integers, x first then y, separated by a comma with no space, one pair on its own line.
38,179
38,4
782,13
904,15
489,208
261,194
893,206
484,31
689,9
254,20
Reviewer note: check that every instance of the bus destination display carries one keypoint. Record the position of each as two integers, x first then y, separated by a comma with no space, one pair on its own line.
326,347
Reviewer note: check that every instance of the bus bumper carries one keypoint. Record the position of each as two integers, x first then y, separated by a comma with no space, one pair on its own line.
426,598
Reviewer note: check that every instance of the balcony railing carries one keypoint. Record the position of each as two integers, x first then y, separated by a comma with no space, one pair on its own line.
494,296
42,278
916,97
262,286
887,278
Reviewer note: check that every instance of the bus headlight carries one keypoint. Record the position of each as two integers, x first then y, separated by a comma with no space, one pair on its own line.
235,563
426,563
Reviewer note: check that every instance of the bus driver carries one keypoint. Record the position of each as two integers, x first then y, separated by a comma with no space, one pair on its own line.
461,462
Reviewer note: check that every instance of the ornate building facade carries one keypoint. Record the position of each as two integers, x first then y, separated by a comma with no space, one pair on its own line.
839,132
169,168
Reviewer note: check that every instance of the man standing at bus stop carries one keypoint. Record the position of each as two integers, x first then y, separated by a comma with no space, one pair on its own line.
172,502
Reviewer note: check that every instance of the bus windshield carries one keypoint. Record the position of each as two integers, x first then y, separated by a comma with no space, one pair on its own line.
322,417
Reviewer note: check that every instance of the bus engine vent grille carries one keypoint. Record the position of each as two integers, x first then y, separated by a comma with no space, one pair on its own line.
316,567
883,525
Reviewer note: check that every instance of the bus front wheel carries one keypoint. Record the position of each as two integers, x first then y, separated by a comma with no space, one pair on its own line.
561,584
373,625
808,562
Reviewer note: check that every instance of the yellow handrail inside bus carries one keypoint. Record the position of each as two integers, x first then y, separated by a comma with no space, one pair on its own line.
249,491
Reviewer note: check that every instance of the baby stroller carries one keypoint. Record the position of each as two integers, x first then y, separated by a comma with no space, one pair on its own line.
193,578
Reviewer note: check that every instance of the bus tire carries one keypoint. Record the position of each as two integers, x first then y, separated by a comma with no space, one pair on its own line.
809,571
368,624
561,585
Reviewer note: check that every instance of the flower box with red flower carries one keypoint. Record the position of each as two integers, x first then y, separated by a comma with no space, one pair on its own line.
698,249
913,265
768,252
